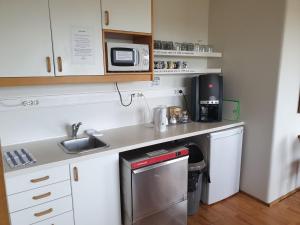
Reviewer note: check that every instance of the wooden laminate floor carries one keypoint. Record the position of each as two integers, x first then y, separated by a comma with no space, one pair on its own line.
243,210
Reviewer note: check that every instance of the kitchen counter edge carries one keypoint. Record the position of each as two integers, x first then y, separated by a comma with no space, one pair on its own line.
49,157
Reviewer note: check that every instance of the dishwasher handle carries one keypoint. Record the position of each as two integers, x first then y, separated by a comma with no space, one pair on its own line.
147,168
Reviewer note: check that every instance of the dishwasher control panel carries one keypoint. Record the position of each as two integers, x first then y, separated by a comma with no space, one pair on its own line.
153,155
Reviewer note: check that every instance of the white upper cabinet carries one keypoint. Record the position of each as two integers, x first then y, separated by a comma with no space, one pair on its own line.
127,15
96,191
25,42
77,37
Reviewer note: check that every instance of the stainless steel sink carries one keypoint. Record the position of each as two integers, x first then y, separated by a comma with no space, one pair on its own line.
80,145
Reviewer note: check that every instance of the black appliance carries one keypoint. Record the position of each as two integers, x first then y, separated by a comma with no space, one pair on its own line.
207,98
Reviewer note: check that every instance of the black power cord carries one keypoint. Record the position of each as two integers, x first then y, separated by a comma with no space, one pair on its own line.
121,98
185,100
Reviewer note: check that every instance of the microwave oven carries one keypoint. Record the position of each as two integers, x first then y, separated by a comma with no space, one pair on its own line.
126,57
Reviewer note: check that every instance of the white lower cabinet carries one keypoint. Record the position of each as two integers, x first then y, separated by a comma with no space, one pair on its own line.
96,191
48,197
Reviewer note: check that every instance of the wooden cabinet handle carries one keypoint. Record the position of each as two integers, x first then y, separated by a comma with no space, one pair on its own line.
59,64
48,62
43,213
39,179
106,18
41,196
75,171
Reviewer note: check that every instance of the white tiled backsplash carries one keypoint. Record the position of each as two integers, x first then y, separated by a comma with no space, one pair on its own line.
30,124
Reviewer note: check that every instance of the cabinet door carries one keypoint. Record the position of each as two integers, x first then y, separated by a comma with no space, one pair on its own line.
224,164
25,44
96,191
127,15
77,37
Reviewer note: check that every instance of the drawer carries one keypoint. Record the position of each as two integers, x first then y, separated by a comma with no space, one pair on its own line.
37,179
38,196
64,219
41,212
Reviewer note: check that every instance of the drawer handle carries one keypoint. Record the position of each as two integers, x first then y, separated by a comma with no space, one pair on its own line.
48,61
41,196
39,179
75,171
106,18
59,63
43,213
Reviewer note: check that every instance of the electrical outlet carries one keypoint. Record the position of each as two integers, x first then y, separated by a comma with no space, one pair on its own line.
30,102
156,81
138,94
178,92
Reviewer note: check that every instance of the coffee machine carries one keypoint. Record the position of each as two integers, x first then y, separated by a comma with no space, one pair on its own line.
207,98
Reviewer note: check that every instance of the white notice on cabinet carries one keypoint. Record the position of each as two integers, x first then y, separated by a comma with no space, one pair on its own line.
83,45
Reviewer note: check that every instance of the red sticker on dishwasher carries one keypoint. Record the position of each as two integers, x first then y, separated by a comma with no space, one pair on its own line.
158,159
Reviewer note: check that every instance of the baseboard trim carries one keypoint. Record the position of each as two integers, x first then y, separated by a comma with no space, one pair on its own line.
283,197
275,201
256,199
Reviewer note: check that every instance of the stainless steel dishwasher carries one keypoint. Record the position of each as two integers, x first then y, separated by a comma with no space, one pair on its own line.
154,186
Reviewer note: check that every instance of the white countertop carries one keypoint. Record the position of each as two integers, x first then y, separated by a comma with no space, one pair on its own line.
48,154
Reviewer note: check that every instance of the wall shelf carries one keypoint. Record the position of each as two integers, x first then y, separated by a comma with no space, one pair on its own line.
173,53
187,71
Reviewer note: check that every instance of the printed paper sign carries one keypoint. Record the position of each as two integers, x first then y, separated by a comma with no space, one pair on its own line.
83,51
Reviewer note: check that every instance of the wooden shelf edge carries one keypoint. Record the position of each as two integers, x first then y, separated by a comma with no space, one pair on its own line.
126,32
126,73
32,81
173,53
193,71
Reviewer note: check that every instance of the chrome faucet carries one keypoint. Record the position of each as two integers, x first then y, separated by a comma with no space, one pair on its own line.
75,128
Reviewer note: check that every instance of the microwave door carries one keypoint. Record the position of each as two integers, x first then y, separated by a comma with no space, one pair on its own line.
122,57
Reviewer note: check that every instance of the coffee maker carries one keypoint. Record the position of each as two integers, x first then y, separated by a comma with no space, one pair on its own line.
207,98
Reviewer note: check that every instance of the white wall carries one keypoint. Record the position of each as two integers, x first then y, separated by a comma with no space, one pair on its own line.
249,33
17,126
182,21
23,125
285,168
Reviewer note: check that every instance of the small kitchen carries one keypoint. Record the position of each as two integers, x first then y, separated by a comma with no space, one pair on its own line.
137,111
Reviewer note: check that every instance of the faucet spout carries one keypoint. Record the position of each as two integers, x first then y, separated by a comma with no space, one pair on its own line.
75,128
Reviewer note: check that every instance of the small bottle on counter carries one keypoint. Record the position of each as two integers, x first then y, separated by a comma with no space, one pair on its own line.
185,117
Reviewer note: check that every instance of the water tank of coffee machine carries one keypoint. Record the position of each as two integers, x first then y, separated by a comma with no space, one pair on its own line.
207,98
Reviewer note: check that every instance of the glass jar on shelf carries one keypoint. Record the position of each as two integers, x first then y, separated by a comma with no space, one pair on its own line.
184,46
177,46
209,48
157,44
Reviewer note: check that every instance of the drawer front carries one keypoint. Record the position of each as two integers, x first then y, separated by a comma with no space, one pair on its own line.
41,212
37,179
38,196
64,219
